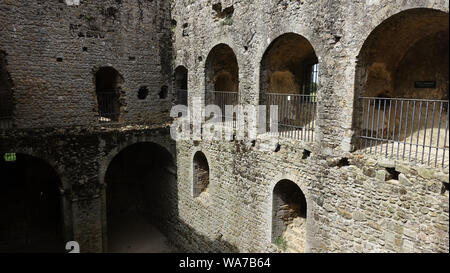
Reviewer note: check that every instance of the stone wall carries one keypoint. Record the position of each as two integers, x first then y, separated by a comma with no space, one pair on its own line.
352,207
53,51
81,158
356,202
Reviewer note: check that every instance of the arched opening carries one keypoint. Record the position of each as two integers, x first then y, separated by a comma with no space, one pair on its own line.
181,84
222,77
200,174
289,213
402,85
140,198
30,206
108,86
6,99
289,79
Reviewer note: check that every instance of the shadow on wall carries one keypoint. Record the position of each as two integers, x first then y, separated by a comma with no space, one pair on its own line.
142,205
187,239
30,206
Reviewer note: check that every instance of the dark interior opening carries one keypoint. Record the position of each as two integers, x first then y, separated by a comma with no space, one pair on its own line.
445,188
108,83
392,174
289,212
289,66
164,92
181,85
143,93
201,174
30,207
306,154
289,78
140,193
222,77
222,70
343,162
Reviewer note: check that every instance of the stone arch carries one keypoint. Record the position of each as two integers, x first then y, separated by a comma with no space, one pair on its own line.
181,84
222,72
119,147
284,63
289,78
383,14
389,43
41,201
140,194
309,225
221,60
289,216
200,174
108,89
295,28
65,185
404,49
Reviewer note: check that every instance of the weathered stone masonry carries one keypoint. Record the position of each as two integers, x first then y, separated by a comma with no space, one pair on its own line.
354,205
355,202
52,52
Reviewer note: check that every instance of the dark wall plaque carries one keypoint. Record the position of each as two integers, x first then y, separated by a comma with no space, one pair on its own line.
425,84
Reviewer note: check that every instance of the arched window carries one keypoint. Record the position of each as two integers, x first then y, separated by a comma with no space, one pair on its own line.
108,84
402,88
181,85
200,174
222,77
6,101
289,213
289,80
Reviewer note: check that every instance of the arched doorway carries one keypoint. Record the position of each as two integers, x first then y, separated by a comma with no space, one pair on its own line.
108,85
181,84
222,77
140,198
289,211
289,79
402,87
200,174
30,206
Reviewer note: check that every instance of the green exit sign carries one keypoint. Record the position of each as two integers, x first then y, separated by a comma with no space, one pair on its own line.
10,157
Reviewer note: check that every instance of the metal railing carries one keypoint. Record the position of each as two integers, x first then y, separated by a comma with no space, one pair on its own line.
6,121
415,130
296,115
108,107
182,97
221,99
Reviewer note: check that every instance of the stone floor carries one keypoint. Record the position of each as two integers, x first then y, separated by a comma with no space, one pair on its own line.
137,236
